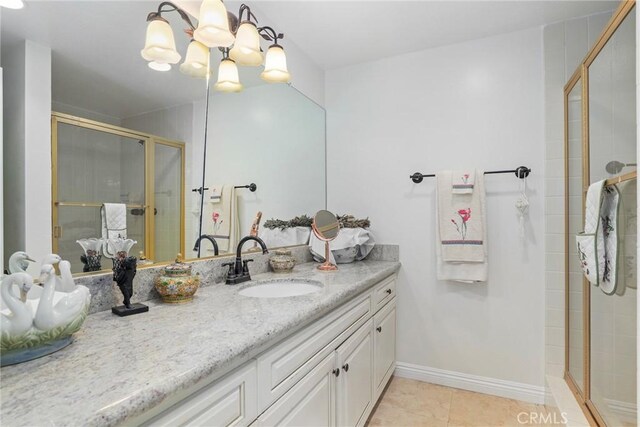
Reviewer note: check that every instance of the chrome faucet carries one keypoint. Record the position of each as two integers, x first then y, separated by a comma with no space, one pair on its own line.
239,270
196,247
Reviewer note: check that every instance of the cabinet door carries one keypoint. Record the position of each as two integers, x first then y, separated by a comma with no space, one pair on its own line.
231,401
309,403
354,391
384,340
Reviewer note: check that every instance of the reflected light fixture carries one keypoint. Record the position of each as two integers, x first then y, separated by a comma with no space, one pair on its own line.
228,80
12,4
217,28
197,59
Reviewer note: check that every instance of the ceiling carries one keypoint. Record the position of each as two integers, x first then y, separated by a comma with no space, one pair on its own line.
339,33
96,63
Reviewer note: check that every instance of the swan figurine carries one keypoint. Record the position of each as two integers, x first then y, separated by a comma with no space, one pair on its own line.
19,262
64,281
68,308
19,318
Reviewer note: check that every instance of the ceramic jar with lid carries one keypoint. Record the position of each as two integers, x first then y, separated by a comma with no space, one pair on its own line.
282,261
177,284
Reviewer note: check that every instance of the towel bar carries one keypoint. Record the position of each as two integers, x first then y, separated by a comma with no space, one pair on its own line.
521,172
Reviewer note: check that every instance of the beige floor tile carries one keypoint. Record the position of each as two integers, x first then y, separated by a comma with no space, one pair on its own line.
469,409
410,403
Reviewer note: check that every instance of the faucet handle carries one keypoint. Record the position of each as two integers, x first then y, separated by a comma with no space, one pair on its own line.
231,267
245,267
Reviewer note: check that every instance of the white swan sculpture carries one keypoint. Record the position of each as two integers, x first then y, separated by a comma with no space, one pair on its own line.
50,314
44,322
17,319
64,281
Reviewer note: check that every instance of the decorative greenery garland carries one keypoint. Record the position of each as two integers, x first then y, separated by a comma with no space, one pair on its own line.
346,221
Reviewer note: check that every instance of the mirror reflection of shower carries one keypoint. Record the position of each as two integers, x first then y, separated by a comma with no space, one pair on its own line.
614,167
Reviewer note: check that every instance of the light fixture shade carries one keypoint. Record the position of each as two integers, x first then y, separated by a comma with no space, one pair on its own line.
160,45
213,25
12,4
246,49
159,66
228,80
197,60
275,66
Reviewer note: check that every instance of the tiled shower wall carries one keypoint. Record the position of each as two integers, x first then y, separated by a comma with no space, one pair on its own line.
565,46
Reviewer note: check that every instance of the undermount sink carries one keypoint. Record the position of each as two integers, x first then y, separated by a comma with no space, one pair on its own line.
281,288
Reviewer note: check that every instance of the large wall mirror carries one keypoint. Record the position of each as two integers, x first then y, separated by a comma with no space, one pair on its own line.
601,144
125,134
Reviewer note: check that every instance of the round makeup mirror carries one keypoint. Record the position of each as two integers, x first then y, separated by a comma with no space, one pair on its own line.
326,228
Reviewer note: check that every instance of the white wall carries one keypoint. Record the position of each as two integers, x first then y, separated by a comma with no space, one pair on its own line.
27,68
475,104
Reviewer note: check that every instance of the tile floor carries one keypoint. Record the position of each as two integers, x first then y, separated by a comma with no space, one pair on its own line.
413,403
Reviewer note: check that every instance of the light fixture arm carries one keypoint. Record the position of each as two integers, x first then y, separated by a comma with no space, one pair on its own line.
171,7
270,34
243,8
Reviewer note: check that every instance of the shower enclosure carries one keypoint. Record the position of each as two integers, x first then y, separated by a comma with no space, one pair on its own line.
96,163
601,144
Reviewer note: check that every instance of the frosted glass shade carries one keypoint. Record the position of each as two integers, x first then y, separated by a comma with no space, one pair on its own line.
275,66
246,49
213,25
12,4
158,66
197,60
160,45
228,80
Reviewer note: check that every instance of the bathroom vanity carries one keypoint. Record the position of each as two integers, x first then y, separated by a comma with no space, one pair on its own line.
224,359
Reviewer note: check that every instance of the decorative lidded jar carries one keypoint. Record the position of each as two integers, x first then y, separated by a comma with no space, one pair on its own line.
282,261
176,284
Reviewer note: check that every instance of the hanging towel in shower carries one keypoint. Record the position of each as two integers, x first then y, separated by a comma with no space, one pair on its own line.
590,243
221,218
628,226
461,232
114,220
462,182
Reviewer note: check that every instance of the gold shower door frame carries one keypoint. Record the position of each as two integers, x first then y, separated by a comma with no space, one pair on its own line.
149,173
582,74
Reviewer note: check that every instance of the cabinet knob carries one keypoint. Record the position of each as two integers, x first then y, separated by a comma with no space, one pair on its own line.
388,291
345,367
379,329
336,372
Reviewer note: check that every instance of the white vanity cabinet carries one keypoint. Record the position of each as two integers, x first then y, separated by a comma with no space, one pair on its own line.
330,373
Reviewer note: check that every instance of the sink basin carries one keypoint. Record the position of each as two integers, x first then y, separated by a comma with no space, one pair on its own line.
279,288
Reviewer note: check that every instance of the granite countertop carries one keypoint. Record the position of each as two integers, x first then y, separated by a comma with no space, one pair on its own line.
121,367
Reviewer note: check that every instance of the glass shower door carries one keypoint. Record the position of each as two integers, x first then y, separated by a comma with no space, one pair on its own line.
95,165
168,199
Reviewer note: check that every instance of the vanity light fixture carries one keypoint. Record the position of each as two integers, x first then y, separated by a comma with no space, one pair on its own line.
12,4
238,39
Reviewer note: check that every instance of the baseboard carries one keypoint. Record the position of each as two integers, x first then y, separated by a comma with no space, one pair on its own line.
625,410
496,387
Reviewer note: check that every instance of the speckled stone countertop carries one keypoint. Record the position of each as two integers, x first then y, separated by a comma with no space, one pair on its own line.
120,367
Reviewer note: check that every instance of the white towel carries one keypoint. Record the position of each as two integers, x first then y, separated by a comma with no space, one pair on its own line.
461,225
221,218
114,220
463,182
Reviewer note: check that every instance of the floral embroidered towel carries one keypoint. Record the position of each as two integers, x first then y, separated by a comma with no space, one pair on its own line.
462,182
461,221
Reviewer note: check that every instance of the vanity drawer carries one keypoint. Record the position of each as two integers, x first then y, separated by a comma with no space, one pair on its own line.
384,292
230,401
285,364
